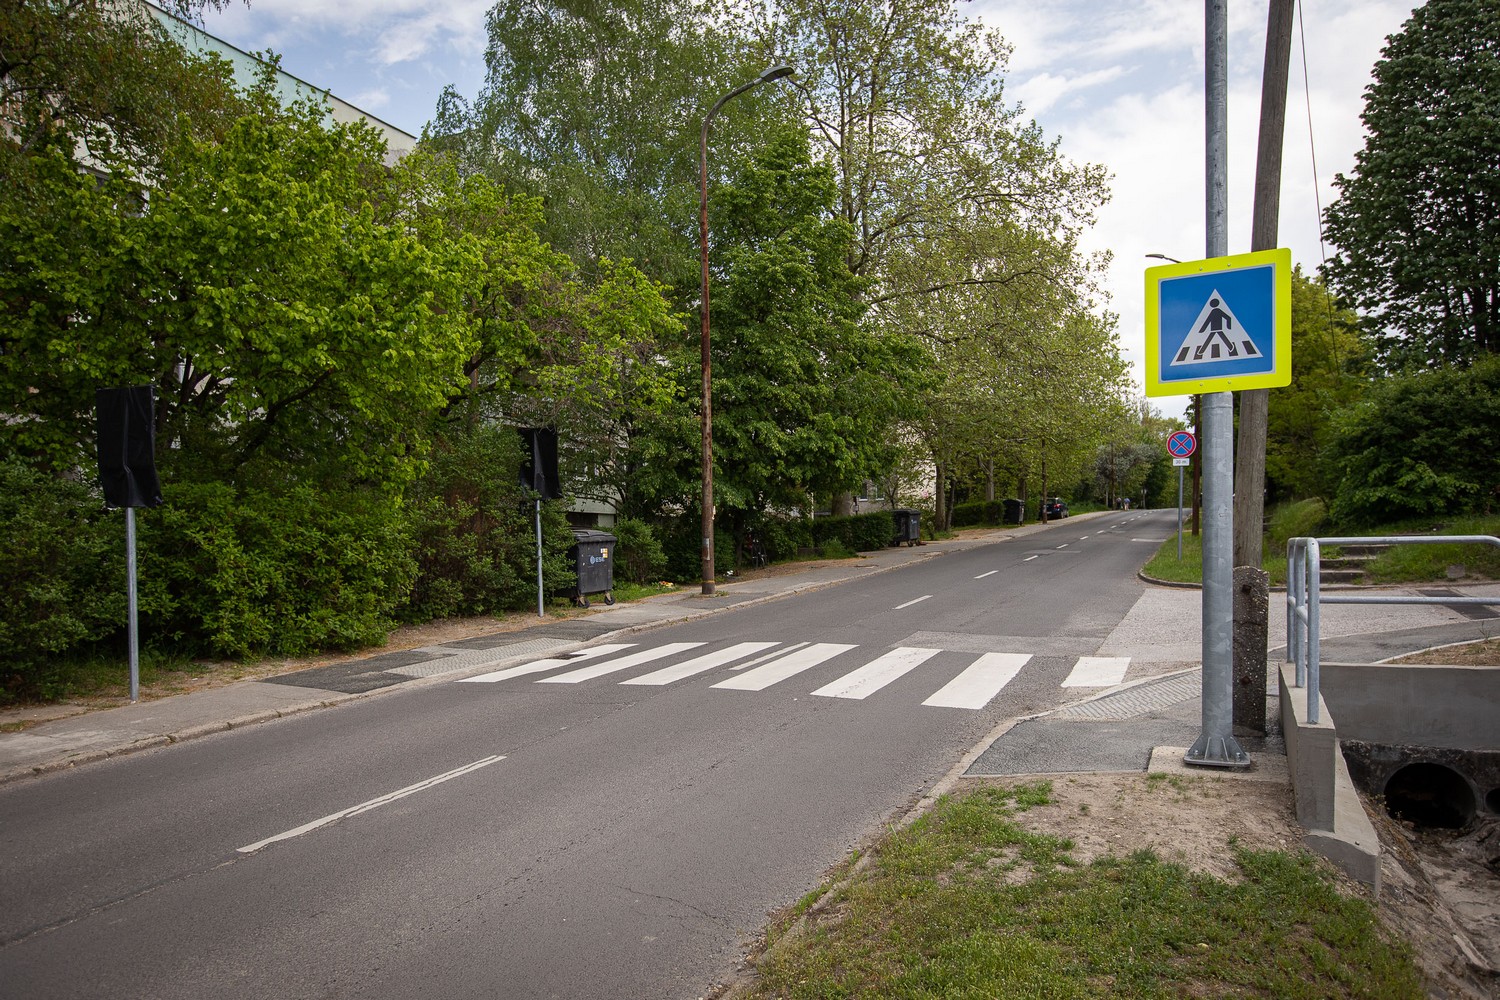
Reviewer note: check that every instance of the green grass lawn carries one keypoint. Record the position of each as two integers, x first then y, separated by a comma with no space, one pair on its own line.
967,903
1400,564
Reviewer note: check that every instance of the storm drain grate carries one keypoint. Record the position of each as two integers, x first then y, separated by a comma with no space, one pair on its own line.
1135,702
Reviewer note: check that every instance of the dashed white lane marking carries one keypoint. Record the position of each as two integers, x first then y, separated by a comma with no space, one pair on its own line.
1063,545
783,667
374,803
981,576
860,684
699,664
633,660
1028,559
910,603
1098,671
983,679
538,666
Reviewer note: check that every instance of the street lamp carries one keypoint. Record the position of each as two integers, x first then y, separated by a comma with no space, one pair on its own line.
775,72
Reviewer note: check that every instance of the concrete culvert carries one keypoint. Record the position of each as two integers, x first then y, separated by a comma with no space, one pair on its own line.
1430,795
1492,801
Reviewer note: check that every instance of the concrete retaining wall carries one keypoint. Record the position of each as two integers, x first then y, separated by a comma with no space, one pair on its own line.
1327,805
1413,704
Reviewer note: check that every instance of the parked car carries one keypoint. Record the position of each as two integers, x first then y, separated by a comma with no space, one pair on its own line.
1055,508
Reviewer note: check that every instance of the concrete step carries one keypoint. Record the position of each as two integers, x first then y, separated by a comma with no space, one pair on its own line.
1335,575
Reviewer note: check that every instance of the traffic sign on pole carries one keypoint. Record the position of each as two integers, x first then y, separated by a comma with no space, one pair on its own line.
1182,444
1219,325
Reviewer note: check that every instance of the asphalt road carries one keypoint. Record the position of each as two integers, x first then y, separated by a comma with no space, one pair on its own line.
554,832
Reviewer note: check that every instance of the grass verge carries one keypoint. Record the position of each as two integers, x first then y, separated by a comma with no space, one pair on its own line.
1399,564
967,903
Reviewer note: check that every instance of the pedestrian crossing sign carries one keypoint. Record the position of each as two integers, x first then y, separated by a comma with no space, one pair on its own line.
1219,325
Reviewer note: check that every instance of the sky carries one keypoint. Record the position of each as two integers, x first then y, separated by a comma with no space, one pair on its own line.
1117,82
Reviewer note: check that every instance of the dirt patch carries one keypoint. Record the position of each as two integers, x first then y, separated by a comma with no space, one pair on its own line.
1440,893
1192,820
1483,653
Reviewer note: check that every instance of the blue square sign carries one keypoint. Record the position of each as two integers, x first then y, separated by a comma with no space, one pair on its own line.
1219,325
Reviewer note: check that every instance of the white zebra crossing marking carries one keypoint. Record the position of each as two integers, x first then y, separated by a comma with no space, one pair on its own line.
1097,671
982,681
699,664
537,666
623,663
780,669
979,684
860,684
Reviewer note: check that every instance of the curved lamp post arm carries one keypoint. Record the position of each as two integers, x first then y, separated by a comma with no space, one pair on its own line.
773,73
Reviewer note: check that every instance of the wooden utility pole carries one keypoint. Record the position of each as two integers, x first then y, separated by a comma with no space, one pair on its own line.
1250,582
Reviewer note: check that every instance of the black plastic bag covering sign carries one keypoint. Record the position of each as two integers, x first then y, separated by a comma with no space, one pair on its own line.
127,446
539,473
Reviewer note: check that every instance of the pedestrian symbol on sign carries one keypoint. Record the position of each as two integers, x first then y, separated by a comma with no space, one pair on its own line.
1219,325
1217,334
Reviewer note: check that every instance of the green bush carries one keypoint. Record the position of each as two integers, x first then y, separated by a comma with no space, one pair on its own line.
474,532
979,512
785,537
639,557
858,533
236,572
684,552
1296,520
62,578
1421,445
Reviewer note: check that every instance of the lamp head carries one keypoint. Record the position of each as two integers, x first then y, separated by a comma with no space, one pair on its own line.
776,72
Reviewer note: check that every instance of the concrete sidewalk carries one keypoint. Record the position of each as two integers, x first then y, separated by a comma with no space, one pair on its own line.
1152,635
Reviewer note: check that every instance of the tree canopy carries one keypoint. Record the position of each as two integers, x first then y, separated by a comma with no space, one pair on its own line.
1418,221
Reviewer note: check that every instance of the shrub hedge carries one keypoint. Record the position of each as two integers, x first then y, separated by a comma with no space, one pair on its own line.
62,578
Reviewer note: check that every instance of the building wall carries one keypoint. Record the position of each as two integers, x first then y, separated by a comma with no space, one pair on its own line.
247,69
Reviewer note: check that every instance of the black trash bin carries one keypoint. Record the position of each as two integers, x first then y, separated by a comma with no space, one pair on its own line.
908,526
593,555
1015,511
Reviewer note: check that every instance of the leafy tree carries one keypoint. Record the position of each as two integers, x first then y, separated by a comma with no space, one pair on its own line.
597,107
1423,444
965,217
282,324
1418,222
806,394
100,82
1327,377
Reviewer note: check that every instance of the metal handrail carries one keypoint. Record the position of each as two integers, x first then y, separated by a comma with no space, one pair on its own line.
1304,565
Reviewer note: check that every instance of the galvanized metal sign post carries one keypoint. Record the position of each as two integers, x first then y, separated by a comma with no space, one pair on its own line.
1213,326
1181,444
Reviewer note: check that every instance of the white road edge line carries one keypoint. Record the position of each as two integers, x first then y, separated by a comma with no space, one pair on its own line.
910,603
374,803
981,576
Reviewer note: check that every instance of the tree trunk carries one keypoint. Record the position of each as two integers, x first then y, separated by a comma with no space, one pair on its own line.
1043,511
989,479
843,504
940,499
1249,650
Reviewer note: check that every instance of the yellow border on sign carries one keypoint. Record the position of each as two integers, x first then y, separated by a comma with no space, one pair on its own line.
1281,309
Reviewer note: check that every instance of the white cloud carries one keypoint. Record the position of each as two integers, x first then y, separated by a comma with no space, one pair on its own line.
1041,92
371,100
1121,84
